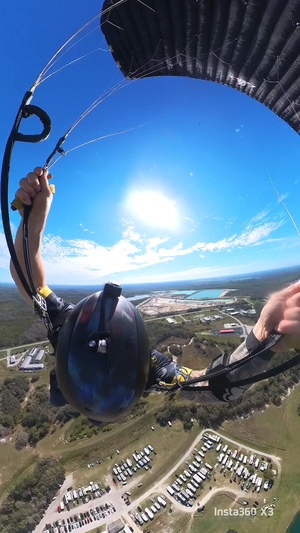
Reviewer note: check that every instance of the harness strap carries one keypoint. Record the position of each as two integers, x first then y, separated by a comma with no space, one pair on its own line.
219,382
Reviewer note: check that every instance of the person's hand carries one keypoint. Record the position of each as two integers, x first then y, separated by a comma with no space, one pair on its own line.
35,190
281,313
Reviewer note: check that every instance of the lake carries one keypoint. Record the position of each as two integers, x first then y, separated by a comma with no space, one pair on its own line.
295,525
209,294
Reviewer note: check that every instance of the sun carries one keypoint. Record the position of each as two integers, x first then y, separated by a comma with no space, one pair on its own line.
154,209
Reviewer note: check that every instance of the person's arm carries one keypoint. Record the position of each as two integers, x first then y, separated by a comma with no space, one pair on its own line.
281,313
34,190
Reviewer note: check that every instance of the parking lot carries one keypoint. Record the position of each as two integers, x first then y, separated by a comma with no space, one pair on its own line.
252,473
211,464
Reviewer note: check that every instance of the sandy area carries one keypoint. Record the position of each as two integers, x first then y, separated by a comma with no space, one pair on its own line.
157,305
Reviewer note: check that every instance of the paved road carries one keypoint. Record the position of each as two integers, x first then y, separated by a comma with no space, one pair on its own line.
159,487
21,347
8,350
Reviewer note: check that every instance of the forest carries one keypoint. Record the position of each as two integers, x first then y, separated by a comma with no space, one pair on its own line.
19,325
26,413
23,508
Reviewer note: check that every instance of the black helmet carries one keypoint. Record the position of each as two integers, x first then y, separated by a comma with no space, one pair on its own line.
102,355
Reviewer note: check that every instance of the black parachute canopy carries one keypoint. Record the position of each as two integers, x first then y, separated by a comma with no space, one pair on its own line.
250,45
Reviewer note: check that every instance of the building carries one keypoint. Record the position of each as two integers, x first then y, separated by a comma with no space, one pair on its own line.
26,362
115,527
33,351
33,360
231,325
248,312
39,355
170,320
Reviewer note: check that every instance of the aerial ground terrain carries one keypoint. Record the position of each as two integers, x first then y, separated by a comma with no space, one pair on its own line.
168,434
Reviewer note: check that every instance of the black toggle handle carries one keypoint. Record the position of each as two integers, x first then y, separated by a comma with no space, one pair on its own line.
28,111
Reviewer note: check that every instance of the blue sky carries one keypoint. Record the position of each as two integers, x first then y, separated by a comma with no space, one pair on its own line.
179,187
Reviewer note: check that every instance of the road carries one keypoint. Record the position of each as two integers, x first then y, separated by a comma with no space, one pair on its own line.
159,487
21,347
8,350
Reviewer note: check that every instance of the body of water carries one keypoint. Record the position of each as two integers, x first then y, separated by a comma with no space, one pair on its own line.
295,525
181,293
209,294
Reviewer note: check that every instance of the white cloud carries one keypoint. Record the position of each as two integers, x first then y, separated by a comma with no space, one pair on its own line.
239,130
155,242
260,215
84,261
86,230
133,252
130,233
213,272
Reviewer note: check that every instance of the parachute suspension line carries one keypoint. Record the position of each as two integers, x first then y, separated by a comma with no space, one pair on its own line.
102,138
71,63
60,55
281,200
284,91
284,204
58,147
143,3
141,72
63,49
90,142
219,59
99,101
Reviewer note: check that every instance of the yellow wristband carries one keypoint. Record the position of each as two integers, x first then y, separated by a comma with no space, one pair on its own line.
44,291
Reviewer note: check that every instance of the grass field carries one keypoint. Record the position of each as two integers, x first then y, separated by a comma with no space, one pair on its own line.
214,522
172,439
276,430
13,464
167,522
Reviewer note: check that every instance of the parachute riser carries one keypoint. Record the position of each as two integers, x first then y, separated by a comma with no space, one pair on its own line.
25,111
263,348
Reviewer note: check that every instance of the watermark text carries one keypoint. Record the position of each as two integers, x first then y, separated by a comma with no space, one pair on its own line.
244,511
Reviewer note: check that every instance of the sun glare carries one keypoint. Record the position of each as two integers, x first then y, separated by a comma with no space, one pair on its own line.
154,209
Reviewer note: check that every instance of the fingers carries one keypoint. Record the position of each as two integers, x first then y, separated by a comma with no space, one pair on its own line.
290,323
35,182
294,301
289,291
288,327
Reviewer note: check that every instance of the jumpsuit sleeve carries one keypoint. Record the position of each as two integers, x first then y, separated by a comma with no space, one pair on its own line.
224,389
